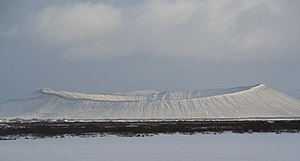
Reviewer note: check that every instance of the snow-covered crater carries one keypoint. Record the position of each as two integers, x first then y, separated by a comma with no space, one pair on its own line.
258,101
149,95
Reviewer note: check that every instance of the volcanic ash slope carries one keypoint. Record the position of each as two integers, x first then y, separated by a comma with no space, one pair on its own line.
258,101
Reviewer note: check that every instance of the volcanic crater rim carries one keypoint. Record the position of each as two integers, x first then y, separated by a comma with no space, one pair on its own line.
169,95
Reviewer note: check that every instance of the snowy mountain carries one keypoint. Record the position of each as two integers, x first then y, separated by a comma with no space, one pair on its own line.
240,102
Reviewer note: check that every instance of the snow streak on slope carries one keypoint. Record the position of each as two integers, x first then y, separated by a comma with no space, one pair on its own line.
240,102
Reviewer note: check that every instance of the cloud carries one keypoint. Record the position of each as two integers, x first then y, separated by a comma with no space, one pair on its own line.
76,23
160,15
8,32
230,30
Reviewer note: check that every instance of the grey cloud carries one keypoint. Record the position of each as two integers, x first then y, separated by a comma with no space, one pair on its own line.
8,32
219,30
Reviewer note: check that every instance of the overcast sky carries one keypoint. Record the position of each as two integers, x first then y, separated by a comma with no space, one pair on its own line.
120,46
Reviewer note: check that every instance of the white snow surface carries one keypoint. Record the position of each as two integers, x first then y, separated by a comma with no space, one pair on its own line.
259,101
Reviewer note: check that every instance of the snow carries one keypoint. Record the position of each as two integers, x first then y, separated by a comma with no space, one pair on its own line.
225,147
259,101
145,95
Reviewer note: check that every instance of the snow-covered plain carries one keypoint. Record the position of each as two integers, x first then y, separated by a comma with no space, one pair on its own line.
259,101
207,147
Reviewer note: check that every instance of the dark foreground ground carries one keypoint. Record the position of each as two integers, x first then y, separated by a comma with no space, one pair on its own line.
139,129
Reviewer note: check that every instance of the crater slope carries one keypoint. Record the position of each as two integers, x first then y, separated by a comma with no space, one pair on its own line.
259,101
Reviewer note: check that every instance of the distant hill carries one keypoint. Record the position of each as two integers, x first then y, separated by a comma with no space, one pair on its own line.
258,101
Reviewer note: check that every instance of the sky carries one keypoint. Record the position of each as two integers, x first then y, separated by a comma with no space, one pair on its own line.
128,45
